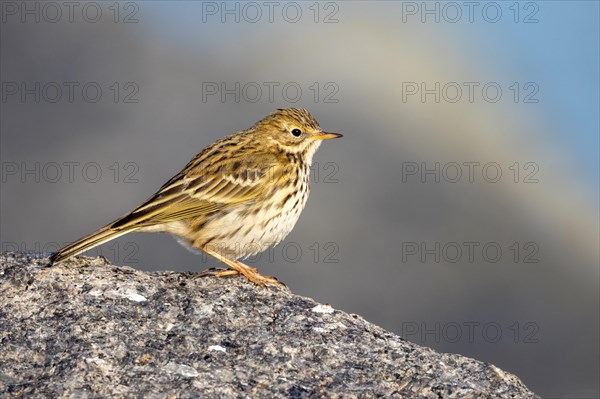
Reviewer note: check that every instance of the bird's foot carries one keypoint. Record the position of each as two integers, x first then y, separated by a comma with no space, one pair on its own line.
239,268
251,274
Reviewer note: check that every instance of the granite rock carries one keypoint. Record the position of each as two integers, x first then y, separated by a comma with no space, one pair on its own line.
89,329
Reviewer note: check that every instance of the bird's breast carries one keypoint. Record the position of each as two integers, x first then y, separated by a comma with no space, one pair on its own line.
252,227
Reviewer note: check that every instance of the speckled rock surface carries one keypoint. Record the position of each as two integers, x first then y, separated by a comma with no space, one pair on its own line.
88,329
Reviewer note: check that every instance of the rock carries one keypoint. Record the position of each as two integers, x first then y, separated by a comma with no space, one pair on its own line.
87,329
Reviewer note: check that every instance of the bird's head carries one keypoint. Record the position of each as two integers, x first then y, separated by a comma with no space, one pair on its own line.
292,130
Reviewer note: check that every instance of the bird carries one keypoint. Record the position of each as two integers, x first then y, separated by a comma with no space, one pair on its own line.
236,198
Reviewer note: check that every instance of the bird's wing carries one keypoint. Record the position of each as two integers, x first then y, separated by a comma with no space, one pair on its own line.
203,188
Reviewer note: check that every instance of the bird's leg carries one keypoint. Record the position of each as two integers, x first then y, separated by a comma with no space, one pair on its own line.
249,272
225,273
215,272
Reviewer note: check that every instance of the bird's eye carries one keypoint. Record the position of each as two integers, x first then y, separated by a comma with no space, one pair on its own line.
296,132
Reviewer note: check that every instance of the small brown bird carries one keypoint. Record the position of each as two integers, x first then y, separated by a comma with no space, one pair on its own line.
236,198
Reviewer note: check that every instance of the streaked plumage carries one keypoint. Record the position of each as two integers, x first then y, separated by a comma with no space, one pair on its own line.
234,199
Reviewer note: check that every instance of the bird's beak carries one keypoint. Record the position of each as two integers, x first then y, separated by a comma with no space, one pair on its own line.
327,136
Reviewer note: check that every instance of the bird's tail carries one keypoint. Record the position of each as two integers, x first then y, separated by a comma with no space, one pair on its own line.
99,237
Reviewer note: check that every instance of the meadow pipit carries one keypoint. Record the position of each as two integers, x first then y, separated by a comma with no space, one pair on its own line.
236,198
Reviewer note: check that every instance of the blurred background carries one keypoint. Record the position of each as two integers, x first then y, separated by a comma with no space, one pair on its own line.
460,210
